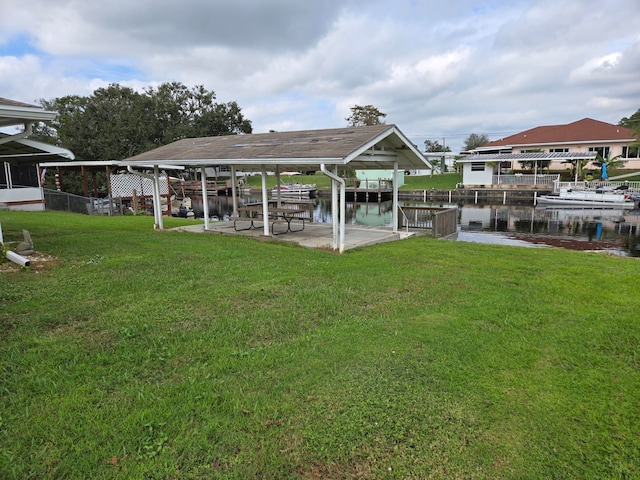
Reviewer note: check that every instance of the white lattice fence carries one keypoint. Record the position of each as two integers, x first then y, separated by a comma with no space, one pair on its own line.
123,185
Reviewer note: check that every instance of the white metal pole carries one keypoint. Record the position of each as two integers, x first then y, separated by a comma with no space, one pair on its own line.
343,209
234,193
394,211
157,208
205,199
265,202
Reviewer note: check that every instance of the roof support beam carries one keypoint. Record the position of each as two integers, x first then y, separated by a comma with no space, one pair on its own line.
335,216
28,127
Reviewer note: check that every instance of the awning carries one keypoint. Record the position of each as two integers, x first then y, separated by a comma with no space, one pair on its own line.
30,152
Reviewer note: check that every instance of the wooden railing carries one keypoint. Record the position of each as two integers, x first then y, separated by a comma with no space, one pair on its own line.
441,221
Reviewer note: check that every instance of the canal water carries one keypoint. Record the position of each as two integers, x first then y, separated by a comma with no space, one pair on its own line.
616,231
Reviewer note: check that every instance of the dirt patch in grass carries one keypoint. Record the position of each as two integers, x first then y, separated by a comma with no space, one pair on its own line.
37,261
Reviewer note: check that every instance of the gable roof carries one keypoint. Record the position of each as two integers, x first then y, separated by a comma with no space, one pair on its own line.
586,130
367,147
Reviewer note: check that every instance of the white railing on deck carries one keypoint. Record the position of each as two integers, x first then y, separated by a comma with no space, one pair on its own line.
519,179
595,185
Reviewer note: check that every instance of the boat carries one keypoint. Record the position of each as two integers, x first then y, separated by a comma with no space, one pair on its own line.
295,190
589,198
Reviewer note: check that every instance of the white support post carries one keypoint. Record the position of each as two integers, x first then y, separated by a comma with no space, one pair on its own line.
234,192
338,228
343,209
394,211
205,199
157,200
265,202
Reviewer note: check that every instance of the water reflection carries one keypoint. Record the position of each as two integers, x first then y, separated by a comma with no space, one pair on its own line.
578,229
612,230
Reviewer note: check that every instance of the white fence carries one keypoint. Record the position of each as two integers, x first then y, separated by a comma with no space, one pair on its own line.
595,185
519,179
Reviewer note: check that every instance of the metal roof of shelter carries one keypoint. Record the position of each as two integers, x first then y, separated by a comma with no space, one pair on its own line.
369,147
527,157
22,151
17,149
16,113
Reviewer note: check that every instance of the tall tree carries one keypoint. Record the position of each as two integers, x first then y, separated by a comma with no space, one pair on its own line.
431,146
633,122
364,116
117,122
475,140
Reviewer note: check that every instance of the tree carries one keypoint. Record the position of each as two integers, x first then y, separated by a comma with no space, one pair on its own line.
633,122
611,162
435,146
364,116
117,122
475,140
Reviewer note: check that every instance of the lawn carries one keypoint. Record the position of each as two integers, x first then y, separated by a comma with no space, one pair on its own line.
447,181
146,354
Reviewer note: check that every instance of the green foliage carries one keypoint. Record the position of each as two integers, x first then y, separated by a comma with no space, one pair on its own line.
609,161
445,181
364,116
117,122
145,354
435,146
475,140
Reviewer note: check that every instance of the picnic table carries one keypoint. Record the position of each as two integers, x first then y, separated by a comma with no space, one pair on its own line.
276,216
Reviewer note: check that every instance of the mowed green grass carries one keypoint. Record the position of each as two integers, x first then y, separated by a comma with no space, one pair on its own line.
146,354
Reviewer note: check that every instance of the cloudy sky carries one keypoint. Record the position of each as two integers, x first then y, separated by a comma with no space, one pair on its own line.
438,69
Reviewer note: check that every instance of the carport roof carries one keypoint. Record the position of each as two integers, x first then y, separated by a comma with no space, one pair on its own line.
28,152
370,147
16,113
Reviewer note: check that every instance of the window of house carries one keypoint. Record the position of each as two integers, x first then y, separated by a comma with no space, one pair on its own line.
558,150
630,152
602,151
477,167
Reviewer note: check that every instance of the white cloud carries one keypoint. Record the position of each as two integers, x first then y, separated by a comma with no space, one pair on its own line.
443,68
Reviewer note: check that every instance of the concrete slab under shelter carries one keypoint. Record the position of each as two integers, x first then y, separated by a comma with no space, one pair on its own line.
314,235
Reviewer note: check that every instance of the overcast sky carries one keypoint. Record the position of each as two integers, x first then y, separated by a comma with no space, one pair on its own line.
438,69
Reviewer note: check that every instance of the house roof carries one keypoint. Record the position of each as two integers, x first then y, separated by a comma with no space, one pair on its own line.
586,130
527,157
23,151
16,113
370,147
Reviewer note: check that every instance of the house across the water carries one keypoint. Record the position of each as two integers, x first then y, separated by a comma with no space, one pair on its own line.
552,148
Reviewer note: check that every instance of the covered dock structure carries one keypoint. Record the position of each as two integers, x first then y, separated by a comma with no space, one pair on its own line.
331,151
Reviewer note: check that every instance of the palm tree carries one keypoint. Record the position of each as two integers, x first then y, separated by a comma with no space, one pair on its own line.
615,162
